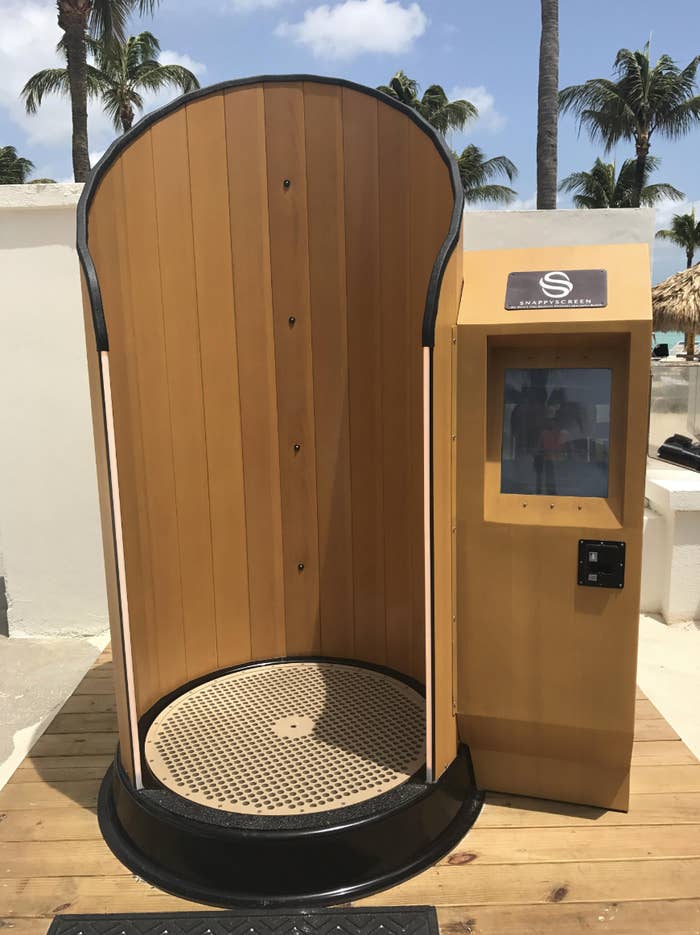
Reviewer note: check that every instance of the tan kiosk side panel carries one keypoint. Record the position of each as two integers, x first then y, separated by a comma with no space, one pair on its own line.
546,668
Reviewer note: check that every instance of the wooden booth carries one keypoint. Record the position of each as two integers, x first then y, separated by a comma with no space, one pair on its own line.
272,270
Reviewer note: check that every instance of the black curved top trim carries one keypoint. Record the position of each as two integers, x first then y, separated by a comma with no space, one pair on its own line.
122,142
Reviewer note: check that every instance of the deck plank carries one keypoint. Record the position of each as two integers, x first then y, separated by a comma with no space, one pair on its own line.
672,917
529,866
659,808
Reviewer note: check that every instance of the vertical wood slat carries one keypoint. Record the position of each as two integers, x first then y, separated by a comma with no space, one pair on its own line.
326,209
444,517
250,245
136,538
400,371
145,303
364,366
206,140
109,233
184,374
289,256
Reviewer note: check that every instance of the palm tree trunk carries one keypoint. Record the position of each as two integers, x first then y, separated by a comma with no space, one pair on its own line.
548,106
126,118
72,18
640,171
689,335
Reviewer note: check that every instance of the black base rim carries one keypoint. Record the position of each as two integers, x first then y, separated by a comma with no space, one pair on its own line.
243,868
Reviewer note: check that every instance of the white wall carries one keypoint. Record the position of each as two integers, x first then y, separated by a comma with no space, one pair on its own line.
504,230
672,543
50,551
49,522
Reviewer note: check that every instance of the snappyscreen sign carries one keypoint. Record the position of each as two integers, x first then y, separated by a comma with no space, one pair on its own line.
557,288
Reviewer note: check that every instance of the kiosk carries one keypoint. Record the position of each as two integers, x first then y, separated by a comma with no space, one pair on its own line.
552,411
364,507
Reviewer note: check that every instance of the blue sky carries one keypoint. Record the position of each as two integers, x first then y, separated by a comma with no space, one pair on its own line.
485,50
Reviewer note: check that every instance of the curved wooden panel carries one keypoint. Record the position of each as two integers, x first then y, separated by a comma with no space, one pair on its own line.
264,254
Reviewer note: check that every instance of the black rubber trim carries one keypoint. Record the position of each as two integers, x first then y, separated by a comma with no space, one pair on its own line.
252,869
446,249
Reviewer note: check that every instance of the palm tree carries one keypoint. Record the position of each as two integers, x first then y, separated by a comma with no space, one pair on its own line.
14,169
477,172
121,71
548,105
603,188
639,101
685,233
434,105
104,20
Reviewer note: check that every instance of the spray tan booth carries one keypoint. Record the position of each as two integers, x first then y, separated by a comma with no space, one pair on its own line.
326,582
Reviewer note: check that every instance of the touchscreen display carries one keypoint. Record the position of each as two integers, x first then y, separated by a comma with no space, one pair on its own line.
556,432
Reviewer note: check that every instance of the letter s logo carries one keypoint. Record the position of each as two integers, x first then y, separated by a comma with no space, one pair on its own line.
556,285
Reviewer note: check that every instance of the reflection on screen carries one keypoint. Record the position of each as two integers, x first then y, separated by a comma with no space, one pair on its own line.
556,432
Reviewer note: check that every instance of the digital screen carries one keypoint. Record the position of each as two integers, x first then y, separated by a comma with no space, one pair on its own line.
556,432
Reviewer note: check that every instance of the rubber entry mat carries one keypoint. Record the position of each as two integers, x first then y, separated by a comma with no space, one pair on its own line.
404,920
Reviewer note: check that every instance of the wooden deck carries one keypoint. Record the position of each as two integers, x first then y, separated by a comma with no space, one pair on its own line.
527,867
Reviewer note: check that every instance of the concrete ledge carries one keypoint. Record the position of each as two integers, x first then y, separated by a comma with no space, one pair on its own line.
488,230
671,561
26,197
673,488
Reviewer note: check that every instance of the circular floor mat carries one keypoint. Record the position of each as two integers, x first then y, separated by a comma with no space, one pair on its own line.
289,738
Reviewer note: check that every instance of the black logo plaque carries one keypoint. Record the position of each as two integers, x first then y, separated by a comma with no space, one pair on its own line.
556,288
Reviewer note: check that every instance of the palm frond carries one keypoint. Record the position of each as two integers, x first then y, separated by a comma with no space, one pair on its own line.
491,194
501,165
14,169
108,18
477,173
160,76
47,81
637,102
604,187
660,191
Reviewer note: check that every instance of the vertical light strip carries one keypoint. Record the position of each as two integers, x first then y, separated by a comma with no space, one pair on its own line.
119,543
427,552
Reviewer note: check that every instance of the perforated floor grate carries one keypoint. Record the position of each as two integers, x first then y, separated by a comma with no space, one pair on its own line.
289,738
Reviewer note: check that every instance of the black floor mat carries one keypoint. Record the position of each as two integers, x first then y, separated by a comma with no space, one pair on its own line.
400,920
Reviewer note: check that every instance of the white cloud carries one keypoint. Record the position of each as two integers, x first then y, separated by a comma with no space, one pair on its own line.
168,57
27,44
523,204
353,27
489,117
666,209
518,204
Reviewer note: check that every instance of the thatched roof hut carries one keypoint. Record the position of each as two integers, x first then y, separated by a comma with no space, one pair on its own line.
676,301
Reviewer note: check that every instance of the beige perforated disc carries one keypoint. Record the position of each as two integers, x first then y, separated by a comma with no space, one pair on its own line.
289,738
